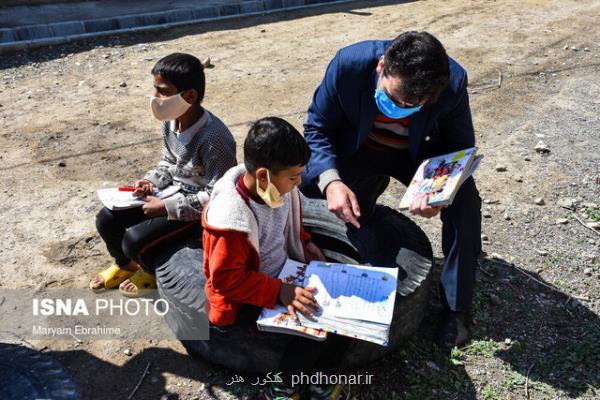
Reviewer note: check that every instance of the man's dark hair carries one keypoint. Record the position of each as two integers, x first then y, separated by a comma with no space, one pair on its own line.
275,144
182,70
420,60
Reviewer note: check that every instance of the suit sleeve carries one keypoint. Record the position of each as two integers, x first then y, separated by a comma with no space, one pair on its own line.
456,126
231,277
325,116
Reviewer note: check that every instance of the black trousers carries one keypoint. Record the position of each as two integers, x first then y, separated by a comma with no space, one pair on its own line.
131,235
367,173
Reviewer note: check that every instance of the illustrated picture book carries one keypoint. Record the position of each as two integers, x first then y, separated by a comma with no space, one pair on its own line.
440,177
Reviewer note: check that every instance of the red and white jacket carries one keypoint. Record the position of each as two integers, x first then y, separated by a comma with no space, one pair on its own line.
231,250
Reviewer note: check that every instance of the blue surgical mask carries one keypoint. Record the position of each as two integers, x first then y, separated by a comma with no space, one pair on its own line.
390,109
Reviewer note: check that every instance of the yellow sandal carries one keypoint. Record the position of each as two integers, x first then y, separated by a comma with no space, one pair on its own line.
113,276
143,282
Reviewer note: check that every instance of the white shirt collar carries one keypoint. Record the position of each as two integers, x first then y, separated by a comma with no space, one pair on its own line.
186,136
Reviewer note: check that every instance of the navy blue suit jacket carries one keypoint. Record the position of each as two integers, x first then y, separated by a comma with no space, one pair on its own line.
343,111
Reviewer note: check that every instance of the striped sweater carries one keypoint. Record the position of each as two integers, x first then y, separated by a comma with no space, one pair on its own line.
194,164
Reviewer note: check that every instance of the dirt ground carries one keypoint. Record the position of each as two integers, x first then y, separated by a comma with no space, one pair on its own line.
76,118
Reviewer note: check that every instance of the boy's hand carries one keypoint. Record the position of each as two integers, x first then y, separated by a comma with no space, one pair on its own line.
143,188
420,207
298,298
154,207
313,252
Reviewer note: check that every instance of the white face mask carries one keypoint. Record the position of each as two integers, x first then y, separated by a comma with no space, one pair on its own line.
271,195
169,108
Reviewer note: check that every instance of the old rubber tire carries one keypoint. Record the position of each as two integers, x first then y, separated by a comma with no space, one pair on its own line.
389,239
27,374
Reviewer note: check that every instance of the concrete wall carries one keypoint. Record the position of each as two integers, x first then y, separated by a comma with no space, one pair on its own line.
6,3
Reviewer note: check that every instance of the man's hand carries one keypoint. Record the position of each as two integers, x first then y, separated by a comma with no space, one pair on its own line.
154,207
342,202
313,252
143,188
420,207
298,298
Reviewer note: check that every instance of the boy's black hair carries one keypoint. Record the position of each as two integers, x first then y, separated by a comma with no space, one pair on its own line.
182,70
420,60
275,144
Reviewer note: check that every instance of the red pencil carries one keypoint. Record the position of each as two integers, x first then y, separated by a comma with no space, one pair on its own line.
126,189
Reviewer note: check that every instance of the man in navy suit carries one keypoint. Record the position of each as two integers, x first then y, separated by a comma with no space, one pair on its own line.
382,108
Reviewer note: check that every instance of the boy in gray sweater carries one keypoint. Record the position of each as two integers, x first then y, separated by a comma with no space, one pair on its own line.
197,150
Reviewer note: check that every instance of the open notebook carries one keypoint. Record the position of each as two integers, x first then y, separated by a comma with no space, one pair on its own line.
440,177
355,300
113,199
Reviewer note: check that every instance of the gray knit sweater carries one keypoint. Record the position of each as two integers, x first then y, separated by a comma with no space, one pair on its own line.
195,166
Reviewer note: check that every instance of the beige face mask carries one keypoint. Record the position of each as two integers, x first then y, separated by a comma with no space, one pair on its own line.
169,108
271,195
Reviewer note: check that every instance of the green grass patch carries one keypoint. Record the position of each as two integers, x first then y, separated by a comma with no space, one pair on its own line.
489,393
513,380
485,348
593,214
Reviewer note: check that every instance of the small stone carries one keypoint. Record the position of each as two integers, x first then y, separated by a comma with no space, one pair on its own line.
148,58
542,147
484,237
496,256
62,164
105,56
588,204
562,221
486,214
127,352
527,158
507,341
586,49
539,201
501,168
507,216
432,365
543,253
495,300
566,47
574,48
588,271
519,179
566,202
206,62
591,241
123,84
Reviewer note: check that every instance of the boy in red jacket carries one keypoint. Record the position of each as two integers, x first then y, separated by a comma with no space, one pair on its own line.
252,224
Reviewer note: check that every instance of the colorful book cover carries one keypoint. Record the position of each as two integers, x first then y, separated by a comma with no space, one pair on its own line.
440,177
279,319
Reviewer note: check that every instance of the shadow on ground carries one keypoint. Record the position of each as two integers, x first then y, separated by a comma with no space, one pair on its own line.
554,347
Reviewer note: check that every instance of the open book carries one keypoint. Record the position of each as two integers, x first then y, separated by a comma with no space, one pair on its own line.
440,177
114,199
279,319
355,300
